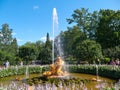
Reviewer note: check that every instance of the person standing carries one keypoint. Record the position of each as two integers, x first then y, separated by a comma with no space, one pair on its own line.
7,64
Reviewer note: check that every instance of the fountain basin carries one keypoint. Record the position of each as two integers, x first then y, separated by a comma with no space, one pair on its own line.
86,77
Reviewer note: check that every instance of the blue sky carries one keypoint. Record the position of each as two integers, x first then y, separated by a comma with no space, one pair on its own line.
31,20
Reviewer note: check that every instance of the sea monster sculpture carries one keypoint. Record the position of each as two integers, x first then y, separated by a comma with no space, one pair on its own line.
56,69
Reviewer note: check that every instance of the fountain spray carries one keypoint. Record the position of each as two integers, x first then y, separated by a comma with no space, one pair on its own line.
55,28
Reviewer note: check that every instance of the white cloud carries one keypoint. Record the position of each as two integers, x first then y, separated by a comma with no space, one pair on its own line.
19,40
44,38
30,41
36,7
14,33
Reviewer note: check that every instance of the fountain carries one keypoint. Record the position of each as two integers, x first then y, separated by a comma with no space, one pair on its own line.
54,78
55,27
97,73
97,76
26,73
16,67
56,69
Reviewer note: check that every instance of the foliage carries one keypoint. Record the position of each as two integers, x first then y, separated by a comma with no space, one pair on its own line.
27,53
8,45
5,56
102,27
64,81
88,50
19,71
108,30
113,52
72,37
86,21
104,70
105,60
45,56
5,37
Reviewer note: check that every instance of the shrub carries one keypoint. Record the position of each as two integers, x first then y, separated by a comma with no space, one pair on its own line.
103,70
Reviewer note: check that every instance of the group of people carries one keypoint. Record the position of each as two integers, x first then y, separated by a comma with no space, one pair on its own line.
7,64
115,62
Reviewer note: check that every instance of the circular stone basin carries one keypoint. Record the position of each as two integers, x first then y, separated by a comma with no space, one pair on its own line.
93,84
102,81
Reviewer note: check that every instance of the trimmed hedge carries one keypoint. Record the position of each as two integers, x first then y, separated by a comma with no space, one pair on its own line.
19,70
109,71
112,72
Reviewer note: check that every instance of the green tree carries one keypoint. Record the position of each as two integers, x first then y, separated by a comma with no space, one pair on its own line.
5,37
88,50
14,47
86,21
2,57
48,42
39,45
27,53
113,52
34,46
70,38
45,55
8,45
108,30
5,56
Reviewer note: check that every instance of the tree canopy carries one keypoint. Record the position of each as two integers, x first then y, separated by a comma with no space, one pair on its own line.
90,36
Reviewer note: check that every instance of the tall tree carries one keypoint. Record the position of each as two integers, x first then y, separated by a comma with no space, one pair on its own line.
108,30
8,45
70,38
47,43
46,52
88,50
5,37
86,21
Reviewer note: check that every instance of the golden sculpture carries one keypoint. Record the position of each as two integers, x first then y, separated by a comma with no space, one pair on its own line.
56,69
